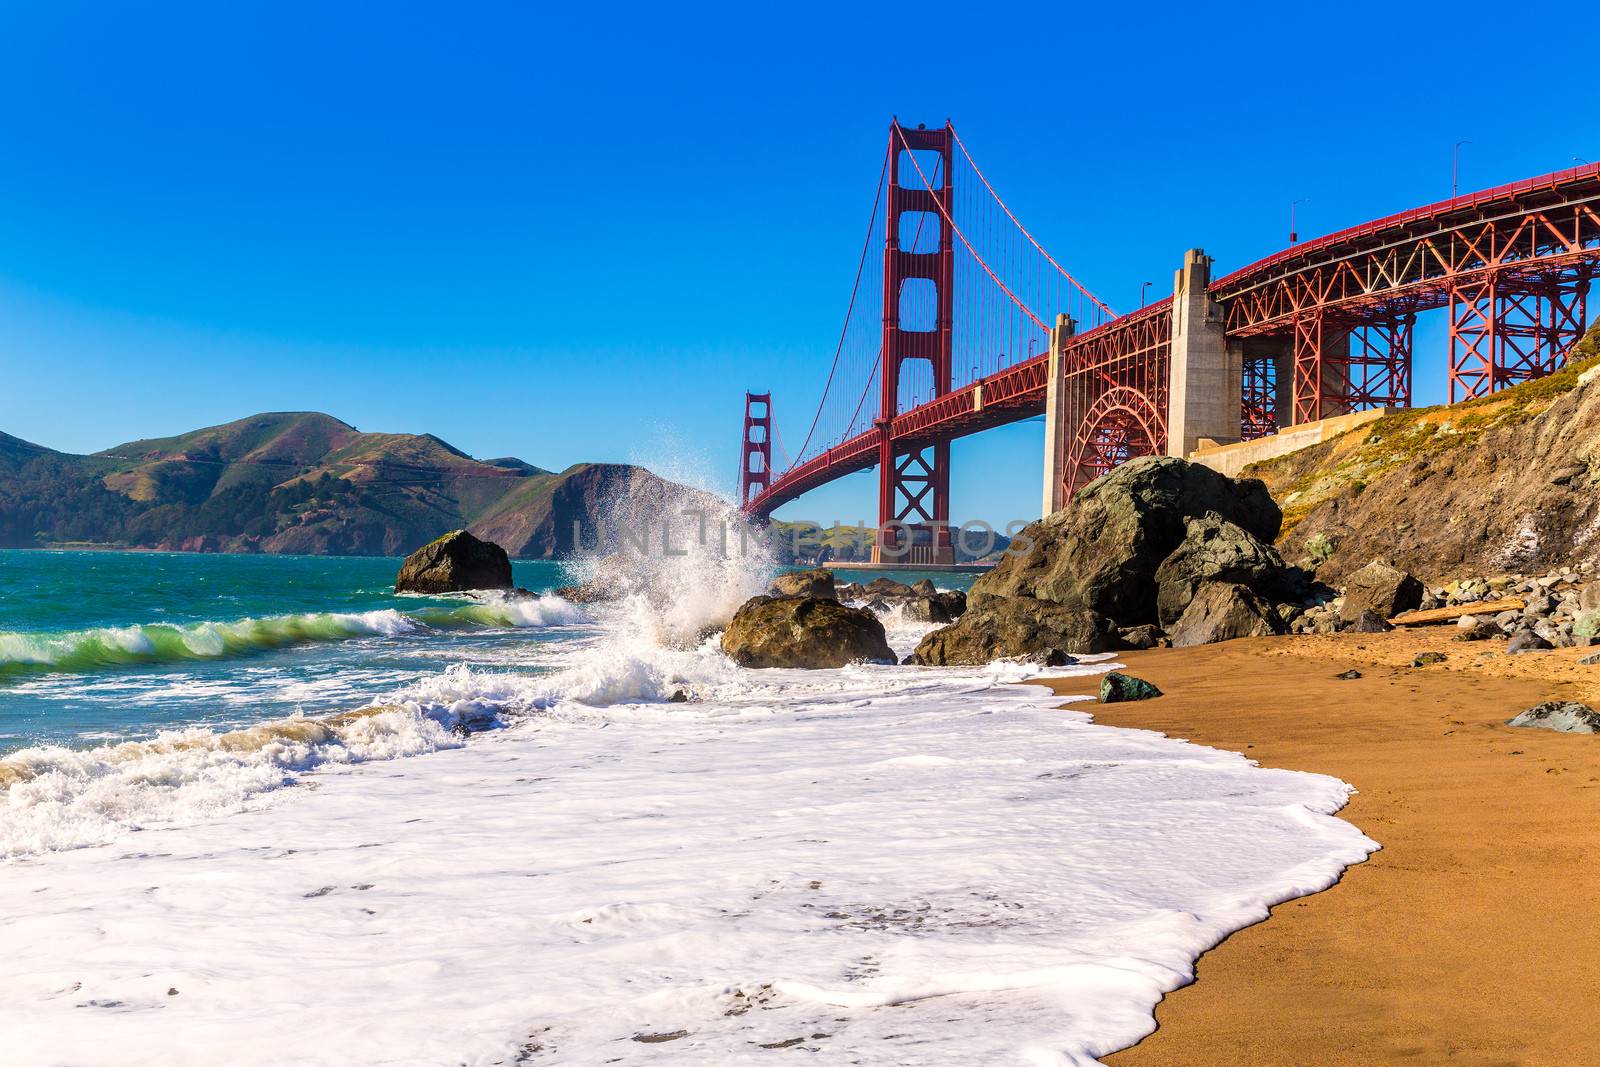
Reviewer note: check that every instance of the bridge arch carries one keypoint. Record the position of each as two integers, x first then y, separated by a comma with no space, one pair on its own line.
1120,425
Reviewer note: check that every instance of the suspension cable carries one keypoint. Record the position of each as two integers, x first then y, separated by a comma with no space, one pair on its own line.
1031,240
855,290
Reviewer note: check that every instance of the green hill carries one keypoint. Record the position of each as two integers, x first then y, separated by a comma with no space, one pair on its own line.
303,482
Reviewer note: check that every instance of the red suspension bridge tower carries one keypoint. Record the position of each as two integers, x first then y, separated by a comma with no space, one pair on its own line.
914,482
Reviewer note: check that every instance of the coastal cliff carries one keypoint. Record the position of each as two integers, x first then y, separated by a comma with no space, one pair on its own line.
303,483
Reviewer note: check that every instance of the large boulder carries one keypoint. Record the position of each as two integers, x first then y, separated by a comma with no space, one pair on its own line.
1222,611
803,632
1381,588
454,563
1213,550
1010,627
1099,566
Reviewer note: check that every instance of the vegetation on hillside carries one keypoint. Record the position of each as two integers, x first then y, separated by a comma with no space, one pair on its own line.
290,482
1346,465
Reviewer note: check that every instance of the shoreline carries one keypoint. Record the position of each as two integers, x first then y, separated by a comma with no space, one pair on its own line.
1460,939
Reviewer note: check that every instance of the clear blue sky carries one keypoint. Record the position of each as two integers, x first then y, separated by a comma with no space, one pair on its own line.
580,235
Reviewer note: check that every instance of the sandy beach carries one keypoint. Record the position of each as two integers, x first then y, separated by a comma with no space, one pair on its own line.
1470,938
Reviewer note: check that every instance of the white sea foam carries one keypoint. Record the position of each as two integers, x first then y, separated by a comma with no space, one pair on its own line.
778,861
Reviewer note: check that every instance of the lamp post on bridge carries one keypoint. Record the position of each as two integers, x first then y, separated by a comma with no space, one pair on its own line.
1142,289
1455,169
1294,236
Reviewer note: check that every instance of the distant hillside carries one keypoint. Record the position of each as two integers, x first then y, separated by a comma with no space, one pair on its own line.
304,482
1504,482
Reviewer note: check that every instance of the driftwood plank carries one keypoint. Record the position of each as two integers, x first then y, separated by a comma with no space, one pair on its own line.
1455,611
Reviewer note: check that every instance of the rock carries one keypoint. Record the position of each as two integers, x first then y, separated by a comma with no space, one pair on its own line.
1222,611
1591,660
1587,624
1468,622
877,605
1483,631
1370,622
1349,675
1539,606
1013,627
924,588
849,591
1526,641
954,601
1564,716
1213,550
927,609
888,587
1091,571
1381,588
816,583
454,563
1121,688
1428,659
1139,637
804,632
678,697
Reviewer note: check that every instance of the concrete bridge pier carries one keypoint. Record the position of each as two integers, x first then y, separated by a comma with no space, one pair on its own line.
1057,434
1207,373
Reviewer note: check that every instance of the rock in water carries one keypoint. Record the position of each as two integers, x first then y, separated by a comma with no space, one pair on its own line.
803,632
1222,611
816,583
454,563
1565,716
1381,588
1120,688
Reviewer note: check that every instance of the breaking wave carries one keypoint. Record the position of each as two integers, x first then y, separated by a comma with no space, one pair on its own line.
53,797
109,647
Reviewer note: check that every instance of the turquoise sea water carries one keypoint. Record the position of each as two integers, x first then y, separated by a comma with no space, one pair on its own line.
103,646
97,647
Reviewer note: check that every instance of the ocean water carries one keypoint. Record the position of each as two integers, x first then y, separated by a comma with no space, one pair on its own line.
261,810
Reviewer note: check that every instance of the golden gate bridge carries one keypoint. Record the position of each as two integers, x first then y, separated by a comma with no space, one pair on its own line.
966,322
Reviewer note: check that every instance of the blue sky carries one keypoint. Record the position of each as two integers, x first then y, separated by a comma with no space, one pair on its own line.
581,236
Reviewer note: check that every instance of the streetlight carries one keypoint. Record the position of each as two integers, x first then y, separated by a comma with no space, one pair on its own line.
1455,169
1580,161
1294,237
1142,289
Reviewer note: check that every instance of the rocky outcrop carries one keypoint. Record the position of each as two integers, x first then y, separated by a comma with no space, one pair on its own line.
805,632
1381,588
1506,481
816,583
1135,549
454,563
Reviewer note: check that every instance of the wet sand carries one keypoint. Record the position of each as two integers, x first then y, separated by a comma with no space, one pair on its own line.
1471,938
